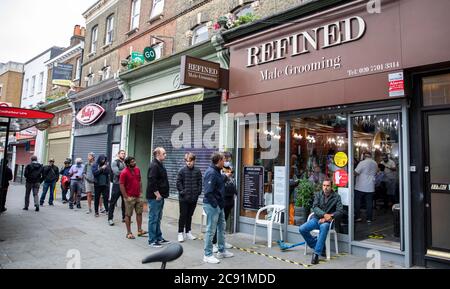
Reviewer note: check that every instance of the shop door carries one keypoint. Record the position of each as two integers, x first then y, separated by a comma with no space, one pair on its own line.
437,180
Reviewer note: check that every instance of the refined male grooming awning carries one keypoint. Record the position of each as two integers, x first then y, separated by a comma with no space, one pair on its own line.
181,97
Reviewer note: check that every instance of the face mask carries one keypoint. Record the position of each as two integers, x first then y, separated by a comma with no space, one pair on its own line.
227,164
79,164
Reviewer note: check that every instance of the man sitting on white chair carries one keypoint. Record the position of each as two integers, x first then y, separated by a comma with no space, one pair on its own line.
326,207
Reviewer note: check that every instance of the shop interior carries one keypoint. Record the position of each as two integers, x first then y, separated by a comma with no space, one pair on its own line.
314,143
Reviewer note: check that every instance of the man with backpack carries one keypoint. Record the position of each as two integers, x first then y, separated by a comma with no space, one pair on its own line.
50,175
33,177
117,167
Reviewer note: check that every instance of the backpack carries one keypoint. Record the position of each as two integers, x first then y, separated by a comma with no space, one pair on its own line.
65,182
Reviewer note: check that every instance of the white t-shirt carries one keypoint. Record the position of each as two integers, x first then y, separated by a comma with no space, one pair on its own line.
365,181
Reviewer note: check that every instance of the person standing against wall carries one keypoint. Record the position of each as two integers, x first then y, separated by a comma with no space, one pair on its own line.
157,191
117,167
189,186
101,173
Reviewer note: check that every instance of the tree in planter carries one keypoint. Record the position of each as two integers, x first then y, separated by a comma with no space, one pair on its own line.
304,194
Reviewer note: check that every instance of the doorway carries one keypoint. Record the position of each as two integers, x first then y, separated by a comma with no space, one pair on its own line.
437,180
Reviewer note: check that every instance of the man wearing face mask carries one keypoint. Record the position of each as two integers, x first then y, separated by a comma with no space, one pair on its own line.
101,172
76,176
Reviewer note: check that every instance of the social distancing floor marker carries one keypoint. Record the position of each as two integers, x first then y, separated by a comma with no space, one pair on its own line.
252,251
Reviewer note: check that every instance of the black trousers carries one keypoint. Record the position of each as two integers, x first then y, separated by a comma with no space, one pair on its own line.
227,210
104,192
3,193
186,211
115,195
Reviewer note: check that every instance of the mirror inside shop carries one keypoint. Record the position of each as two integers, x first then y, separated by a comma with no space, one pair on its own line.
318,150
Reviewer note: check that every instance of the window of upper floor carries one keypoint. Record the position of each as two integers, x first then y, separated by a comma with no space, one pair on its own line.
1,89
157,9
109,35
41,82
78,69
33,85
199,34
94,38
243,10
26,88
135,12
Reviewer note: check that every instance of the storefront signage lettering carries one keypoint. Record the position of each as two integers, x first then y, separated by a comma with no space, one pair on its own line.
90,114
200,73
318,38
439,187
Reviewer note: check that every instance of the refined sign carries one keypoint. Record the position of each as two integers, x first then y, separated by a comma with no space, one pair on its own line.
340,178
15,112
90,114
253,188
199,72
396,84
149,54
334,34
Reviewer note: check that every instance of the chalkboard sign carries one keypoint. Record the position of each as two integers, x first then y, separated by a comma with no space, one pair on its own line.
253,188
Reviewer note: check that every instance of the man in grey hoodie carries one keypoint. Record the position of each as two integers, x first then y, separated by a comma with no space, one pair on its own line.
33,176
117,167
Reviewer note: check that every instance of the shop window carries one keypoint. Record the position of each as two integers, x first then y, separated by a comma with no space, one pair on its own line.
377,203
318,152
199,34
265,157
436,90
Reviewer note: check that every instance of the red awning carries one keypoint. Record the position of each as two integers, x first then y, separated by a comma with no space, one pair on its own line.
22,118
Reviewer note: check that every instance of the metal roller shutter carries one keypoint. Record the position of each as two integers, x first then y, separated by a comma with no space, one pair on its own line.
83,145
162,138
59,149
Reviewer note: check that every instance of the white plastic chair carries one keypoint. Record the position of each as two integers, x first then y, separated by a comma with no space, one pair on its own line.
327,241
274,218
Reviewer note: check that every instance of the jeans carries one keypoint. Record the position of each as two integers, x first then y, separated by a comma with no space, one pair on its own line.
215,219
369,204
154,220
227,211
186,211
44,192
35,188
104,192
115,195
75,192
315,243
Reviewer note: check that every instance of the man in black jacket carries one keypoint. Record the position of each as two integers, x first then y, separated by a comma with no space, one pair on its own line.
157,191
7,176
50,175
33,177
327,206
213,205
189,186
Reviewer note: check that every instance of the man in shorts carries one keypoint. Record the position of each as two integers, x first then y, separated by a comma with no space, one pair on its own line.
131,188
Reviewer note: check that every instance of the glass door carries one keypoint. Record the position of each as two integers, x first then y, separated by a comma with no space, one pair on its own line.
437,181
376,184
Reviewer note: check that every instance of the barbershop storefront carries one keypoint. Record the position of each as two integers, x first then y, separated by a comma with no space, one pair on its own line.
318,94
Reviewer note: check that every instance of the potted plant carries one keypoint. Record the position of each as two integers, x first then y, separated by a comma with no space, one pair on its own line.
304,194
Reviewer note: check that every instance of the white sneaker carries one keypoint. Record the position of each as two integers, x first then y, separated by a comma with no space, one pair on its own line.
89,211
180,237
211,259
111,222
215,248
190,236
224,254
228,245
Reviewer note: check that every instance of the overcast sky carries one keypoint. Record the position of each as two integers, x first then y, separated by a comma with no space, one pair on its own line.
29,27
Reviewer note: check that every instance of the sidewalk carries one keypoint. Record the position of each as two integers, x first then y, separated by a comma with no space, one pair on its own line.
30,239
